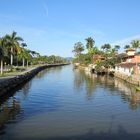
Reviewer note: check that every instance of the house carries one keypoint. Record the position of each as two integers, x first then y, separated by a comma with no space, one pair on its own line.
97,58
130,64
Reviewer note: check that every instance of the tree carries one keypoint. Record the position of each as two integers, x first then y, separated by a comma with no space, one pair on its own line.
78,49
127,47
3,53
106,47
103,47
18,50
90,44
23,53
113,51
12,42
28,56
35,54
135,44
116,47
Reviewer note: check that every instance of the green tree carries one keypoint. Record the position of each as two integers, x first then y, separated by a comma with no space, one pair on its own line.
18,50
78,49
135,44
12,42
116,47
3,53
23,53
127,47
28,57
90,44
106,47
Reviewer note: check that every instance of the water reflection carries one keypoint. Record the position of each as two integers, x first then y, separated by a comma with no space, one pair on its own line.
63,104
91,82
55,70
129,93
25,89
83,79
8,113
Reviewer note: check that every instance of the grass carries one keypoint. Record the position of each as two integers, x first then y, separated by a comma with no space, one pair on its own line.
17,70
138,88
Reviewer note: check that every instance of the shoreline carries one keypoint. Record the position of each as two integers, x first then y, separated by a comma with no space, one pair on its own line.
11,82
133,79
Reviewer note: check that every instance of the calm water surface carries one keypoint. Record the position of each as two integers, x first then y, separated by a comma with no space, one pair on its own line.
65,104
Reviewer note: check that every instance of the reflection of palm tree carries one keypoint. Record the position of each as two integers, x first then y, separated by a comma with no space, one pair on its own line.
9,111
82,79
26,88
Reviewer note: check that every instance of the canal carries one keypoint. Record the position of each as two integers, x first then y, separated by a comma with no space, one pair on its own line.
63,103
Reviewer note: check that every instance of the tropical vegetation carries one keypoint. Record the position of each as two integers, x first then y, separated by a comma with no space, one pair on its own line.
107,51
14,53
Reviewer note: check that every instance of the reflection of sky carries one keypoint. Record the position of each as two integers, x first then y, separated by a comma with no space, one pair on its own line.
54,107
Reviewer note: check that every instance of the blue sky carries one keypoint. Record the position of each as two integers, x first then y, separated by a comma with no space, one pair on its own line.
53,26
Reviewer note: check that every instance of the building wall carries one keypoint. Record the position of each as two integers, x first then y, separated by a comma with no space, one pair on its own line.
133,59
128,69
136,59
124,70
131,52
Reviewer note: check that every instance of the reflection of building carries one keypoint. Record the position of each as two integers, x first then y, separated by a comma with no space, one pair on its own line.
122,86
131,63
129,93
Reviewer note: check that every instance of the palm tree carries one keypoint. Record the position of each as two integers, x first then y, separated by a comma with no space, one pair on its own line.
18,50
113,52
135,44
106,47
23,53
127,47
78,48
116,47
12,43
3,53
34,54
28,56
103,47
90,44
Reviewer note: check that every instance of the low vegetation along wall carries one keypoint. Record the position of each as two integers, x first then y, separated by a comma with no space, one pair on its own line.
13,82
133,79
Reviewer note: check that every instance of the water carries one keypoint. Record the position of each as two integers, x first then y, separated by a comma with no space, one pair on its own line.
65,104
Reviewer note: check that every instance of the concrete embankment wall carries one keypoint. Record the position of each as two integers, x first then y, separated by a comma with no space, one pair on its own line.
15,81
133,79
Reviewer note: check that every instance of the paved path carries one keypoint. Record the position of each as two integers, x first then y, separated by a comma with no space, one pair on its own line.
2,79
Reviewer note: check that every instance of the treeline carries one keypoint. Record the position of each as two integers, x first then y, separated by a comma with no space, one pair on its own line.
49,59
108,52
15,52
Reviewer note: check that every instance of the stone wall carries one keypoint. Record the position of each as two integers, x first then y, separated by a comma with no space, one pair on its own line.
13,82
133,79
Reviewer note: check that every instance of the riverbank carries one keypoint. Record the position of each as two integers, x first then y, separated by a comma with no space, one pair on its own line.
10,82
132,79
